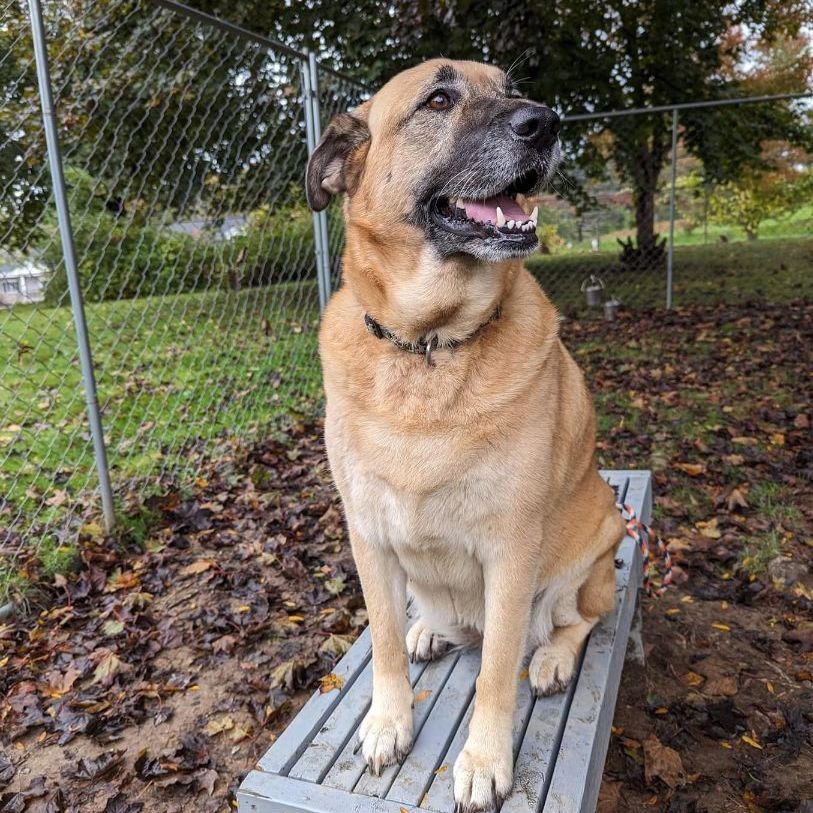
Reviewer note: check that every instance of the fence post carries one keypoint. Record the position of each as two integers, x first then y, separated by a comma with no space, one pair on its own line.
670,256
317,131
310,99
69,255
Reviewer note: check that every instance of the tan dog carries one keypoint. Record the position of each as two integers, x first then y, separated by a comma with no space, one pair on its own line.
459,430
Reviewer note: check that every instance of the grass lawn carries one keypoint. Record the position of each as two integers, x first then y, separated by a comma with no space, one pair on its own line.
769,270
173,373
797,225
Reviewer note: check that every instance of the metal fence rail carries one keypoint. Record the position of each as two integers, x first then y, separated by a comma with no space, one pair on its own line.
161,276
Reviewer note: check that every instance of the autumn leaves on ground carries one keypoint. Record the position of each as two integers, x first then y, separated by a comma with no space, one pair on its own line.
153,678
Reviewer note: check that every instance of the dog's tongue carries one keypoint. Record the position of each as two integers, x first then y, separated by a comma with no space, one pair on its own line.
486,210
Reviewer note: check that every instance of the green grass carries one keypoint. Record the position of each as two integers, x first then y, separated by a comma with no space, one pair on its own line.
797,225
767,270
174,374
759,552
770,500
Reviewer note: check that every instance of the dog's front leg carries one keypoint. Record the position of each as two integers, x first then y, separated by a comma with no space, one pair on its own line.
385,733
483,773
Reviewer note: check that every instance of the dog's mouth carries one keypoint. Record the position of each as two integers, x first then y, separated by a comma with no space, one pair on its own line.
496,220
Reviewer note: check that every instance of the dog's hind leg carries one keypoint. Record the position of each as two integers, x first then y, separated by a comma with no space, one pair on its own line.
436,630
574,615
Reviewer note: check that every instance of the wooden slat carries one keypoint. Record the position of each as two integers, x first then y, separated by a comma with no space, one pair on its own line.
579,764
351,772
269,793
292,742
440,796
337,731
417,771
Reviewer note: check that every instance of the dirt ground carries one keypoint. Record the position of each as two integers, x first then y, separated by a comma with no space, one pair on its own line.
154,677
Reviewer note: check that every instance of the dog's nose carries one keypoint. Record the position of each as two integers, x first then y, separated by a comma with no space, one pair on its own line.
536,124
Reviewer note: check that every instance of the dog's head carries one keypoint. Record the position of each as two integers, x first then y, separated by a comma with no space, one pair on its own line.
444,148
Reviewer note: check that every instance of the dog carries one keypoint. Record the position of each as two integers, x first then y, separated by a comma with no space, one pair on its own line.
459,431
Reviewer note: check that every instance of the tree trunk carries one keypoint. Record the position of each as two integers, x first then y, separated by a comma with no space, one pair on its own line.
750,233
644,154
645,215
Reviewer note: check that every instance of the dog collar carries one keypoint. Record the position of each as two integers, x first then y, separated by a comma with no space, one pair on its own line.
424,346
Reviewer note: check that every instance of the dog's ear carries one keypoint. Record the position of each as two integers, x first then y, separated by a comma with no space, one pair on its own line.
336,163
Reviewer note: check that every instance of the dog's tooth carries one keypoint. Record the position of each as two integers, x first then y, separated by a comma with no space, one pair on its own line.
460,204
510,224
500,218
535,215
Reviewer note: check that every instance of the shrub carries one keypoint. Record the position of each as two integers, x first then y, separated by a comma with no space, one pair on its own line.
118,259
121,258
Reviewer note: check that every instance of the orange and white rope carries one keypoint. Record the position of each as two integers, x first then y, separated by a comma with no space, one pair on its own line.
653,550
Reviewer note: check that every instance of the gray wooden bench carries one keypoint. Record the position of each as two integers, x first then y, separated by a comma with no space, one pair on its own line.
560,742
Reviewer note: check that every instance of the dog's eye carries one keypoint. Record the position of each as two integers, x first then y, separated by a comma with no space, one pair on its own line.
439,101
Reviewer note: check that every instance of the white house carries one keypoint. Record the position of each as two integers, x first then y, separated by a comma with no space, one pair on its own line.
21,281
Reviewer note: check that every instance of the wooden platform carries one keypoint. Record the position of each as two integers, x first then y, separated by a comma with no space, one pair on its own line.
560,742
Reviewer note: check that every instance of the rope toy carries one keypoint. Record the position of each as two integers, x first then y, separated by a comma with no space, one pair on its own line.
648,542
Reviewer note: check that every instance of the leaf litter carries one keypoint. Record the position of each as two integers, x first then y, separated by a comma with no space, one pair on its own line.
153,679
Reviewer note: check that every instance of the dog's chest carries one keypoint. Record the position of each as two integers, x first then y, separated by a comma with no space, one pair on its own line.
450,513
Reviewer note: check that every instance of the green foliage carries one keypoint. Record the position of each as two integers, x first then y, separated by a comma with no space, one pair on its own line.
759,551
550,241
771,500
121,262
124,257
57,559
581,57
175,376
759,195
768,271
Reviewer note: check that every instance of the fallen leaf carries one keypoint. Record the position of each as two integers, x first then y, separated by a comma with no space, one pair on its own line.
206,779
199,566
422,695
692,469
7,769
330,682
609,796
120,803
112,627
736,499
60,498
709,529
215,727
662,762
108,666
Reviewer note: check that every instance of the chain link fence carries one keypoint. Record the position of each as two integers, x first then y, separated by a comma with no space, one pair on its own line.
183,146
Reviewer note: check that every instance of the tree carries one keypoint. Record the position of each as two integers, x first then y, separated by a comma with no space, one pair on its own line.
164,116
582,56
119,67
762,194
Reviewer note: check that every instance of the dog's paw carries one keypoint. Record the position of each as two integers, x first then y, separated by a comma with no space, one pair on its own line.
482,778
423,643
551,670
385,739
